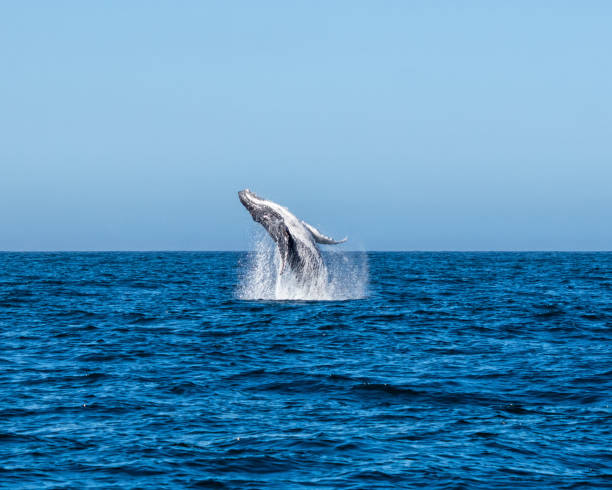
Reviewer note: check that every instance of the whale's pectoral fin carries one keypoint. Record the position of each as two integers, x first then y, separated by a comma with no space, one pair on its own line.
320,237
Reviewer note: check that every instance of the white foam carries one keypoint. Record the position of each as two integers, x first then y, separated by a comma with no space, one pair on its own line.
344,277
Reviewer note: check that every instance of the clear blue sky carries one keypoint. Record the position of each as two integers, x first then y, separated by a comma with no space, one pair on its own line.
404,125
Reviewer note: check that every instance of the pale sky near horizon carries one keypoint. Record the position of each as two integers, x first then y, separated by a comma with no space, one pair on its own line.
404,125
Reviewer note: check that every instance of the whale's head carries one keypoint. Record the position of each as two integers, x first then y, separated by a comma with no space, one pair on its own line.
251,201
261,210
265,213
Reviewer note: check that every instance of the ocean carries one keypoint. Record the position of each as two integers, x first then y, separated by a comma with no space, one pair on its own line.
179,370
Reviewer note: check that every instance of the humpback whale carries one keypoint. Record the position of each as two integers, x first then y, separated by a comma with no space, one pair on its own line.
296,240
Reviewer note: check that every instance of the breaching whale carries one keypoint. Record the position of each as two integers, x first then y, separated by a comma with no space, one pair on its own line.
295,239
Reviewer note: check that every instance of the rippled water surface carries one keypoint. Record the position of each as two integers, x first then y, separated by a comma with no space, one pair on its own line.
456,370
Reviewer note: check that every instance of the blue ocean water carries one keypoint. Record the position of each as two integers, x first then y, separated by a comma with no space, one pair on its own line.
456,370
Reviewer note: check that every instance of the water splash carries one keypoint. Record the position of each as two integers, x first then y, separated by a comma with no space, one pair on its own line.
345,276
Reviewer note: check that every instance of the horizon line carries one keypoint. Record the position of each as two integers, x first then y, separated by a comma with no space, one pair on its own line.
343,250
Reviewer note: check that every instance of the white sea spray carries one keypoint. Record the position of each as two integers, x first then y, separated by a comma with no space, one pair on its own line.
344,277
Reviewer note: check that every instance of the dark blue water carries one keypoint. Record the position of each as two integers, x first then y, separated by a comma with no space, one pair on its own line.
458,370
